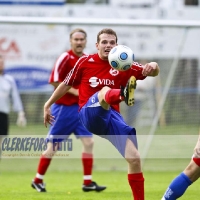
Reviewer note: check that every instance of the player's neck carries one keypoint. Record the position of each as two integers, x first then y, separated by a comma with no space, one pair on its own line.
79,54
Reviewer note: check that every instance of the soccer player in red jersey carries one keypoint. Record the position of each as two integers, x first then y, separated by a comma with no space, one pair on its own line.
191,173
67,121
101,89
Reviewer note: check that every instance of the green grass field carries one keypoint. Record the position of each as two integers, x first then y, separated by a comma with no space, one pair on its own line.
64,176
63,184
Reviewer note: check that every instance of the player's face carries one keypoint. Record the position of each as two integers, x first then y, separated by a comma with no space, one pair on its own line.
78,42
106,43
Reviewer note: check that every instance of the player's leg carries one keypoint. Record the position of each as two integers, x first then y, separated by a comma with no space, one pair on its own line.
87,160
88,143
45,159
192,171
135,175
1,139
63,126
109,96
4,123
180,184
123,137
43,165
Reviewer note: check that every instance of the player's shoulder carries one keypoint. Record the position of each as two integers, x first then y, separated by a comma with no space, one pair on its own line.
9,78
83,58
90,58
64,55
87,58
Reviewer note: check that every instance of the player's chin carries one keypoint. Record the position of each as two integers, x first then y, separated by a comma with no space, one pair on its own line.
79,49
106,54
105,57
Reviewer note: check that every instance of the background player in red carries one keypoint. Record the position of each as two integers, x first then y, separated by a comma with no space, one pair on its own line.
101,90
190,174
67,121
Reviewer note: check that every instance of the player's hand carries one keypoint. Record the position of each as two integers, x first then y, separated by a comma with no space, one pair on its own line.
48,118
21,119
151,69
197,149
147,70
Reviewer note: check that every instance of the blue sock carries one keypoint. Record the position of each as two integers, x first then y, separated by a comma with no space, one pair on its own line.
177,187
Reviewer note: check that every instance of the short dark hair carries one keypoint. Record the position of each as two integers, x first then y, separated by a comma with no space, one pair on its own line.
108,31
77,30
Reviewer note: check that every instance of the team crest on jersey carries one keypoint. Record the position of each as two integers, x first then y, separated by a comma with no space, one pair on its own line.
114,72
93,100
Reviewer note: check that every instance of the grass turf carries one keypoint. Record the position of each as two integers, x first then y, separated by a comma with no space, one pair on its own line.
67,185
64,176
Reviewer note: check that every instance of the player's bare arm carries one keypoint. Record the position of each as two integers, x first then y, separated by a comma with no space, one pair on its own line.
71,90
57,94
151,69
55,84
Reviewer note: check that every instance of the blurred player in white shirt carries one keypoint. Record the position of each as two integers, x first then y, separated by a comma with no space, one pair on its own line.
9,95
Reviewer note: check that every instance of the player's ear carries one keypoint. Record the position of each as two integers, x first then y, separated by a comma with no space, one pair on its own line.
97,46
70,41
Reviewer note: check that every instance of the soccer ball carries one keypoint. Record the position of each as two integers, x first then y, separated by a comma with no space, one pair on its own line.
121,57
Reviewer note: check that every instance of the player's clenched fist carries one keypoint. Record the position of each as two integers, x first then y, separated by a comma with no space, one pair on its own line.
150,69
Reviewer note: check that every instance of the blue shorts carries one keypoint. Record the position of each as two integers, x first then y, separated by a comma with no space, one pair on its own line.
108,124
66,122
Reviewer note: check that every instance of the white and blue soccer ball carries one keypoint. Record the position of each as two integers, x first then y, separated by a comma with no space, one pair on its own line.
121,57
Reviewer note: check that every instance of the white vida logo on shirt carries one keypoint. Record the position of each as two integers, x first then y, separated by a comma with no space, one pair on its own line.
94,81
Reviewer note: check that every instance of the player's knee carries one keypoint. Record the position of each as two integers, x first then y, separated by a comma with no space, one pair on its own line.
51,149
101,97
88,143
102,93
133,158
134,161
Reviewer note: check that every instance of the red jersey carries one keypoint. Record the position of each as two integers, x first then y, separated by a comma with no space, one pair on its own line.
92,73
62,67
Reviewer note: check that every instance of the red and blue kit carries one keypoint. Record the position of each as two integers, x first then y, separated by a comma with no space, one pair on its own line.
65,110
91,74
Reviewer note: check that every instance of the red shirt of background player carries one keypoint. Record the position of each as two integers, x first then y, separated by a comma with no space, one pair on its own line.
62,67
